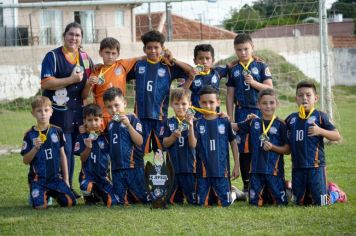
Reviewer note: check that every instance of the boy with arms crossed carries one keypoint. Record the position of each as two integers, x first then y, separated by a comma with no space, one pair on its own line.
180,141
213,135
93,149
43,150
307,130
245,80
125,137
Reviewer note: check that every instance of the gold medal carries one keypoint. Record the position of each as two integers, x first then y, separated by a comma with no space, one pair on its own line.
264,137
41,136
79,69
246,71
190,112
101,80
93,135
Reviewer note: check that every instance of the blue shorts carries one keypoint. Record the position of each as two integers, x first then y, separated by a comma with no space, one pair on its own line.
265,187
130,183
57,188
150,132
309,186
184,186
242,137
103,188
218,187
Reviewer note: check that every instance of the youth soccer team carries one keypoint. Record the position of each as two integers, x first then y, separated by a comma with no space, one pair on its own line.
197,138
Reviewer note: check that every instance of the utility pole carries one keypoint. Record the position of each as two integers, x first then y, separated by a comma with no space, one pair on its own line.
169,21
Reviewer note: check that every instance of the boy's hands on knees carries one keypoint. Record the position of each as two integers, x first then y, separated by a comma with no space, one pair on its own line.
88,143
314,130
267,146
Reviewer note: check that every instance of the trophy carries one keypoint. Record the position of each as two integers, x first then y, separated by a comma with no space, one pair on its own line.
159,179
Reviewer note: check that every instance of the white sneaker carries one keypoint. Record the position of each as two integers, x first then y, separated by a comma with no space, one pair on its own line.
240,195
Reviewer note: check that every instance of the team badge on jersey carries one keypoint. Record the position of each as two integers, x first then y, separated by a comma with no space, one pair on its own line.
171,127
257,125
254,70
101,144
76,146
54,138
139,127
118,71
292,121
273,130
311,120
161,72
214,79
197,82
141,70
24,145
202,129
236,73
221,129
267,72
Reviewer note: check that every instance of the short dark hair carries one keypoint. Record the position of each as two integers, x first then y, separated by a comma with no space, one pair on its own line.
111,93
179,93
92,110
209,90
242,38
153,36
111,43
204,48
73,25
306,84
267,91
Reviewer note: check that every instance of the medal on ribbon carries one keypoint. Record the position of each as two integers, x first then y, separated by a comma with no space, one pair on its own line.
182,126
246,71
93,135
302,113
101,80
264,136
101,77
41,136
116,117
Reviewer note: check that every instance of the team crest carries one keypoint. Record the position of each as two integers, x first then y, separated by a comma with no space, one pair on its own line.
292,121
171,127
139,127
267,72
24,145
197,82
141,70
54,138
76,146
273,130
311,120
221,129
257,125
101,144
214,79
161,72
237,73
254,70
202,129
118,71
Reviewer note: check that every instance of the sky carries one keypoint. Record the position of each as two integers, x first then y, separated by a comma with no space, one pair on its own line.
209,13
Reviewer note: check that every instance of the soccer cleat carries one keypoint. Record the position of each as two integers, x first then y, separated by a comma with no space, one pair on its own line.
77,195
240,195
334,188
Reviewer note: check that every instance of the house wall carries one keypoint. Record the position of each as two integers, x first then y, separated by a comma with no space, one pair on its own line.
20,66
104,21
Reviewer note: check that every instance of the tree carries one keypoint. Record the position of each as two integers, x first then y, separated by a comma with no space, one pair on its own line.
346,7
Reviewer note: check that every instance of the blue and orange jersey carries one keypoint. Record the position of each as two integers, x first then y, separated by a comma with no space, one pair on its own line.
180,153
307,151
245,96
45,165
67,102
123,152
265,162
211,79
213,139
153,82
96,166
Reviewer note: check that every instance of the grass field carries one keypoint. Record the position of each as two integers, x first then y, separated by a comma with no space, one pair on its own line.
16,217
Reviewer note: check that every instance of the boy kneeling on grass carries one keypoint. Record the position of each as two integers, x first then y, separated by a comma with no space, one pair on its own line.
43,150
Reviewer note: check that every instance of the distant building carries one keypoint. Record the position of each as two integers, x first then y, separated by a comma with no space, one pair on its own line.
183,28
